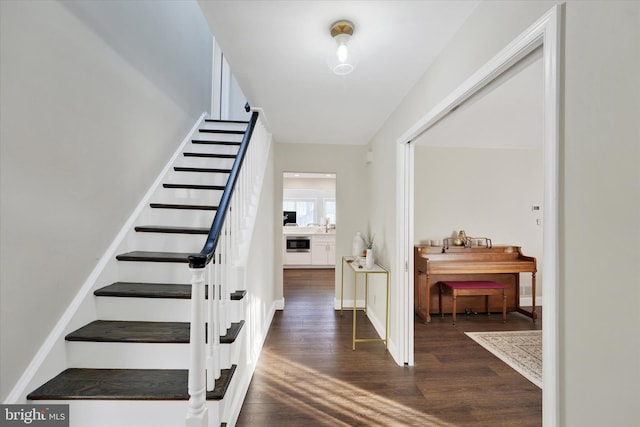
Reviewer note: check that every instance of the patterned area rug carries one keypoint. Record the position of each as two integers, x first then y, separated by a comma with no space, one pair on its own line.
522,350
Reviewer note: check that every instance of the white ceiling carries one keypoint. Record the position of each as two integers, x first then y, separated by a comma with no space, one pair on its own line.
277,51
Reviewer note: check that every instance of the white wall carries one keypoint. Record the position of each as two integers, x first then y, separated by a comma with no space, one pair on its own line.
352,191
95,98
237,101
599,184
600,202
486,192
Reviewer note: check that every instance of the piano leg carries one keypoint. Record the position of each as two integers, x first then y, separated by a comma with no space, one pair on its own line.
532,314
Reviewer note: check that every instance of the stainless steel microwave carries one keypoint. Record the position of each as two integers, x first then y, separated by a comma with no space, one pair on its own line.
298,244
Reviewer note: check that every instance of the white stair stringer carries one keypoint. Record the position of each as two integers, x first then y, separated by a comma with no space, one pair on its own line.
138,413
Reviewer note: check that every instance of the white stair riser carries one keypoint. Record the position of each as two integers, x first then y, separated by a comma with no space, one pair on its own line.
132,413
144,309
202,178
236,310
224,126
235,351
115,355
208,136
178,217
153,272
204,162
156,309
188,196
211,148
169,242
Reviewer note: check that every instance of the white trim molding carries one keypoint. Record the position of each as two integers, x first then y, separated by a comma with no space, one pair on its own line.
544,33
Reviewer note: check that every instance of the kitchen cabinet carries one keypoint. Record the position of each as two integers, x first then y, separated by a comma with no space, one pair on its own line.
323,250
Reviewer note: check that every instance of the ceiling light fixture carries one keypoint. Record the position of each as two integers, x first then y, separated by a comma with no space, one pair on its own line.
341,60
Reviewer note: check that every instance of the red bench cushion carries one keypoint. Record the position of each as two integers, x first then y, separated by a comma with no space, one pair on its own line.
474,285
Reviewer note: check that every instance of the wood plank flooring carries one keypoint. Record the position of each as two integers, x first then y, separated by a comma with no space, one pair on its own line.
307,374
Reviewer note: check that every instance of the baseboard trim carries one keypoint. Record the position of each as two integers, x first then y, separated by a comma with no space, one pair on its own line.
528,301
18,393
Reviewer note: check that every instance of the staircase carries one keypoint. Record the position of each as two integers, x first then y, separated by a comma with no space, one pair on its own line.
129,367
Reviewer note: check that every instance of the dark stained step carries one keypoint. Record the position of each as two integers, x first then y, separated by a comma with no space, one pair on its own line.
232,333
154,290
181,257
176,206
195,186
132,332
225,131
200,141
211,155
125,384
145,290
205,170
238,295
225,121
171,230
143,332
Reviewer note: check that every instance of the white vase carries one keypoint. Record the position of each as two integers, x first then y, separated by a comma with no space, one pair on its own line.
369,259
358,245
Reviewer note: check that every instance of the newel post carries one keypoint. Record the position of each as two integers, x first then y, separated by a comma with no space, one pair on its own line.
197,411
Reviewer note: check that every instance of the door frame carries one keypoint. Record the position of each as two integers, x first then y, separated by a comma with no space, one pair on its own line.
545,33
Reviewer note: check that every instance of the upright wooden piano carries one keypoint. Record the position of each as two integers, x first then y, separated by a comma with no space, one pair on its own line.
502,264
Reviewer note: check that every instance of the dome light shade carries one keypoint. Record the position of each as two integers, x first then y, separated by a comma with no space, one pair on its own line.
341,58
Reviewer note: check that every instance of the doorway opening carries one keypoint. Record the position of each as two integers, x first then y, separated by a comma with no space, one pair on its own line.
543,33
309,220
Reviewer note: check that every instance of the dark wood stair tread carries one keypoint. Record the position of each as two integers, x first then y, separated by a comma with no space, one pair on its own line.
202,170
180,206
132,332
238,295
125,384
154,290
211,155
226,121
232,333
210,142
195,186
145,290
227,131
143,332
171,230
180,257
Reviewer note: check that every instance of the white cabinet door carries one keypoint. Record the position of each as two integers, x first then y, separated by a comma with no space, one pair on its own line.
297,258
318,252
323,250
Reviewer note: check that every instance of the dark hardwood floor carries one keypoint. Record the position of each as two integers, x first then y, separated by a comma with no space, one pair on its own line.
308,375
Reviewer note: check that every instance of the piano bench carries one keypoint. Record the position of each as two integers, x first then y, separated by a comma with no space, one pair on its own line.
473,288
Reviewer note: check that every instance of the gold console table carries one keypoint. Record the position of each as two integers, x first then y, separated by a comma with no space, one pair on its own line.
357,269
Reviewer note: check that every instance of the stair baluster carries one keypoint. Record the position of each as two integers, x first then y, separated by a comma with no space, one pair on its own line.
197,409
216,255
213,316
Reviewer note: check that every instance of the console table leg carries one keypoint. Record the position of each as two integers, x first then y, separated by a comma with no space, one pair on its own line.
454,303
504,306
